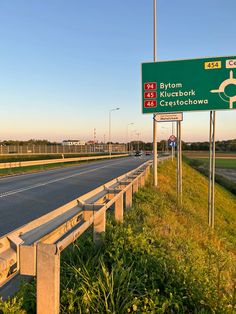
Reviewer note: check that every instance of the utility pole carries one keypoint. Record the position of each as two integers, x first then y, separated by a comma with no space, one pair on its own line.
138,140
127,135
110,146
94,135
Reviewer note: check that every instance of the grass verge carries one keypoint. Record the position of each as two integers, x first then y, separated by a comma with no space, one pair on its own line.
225,163
201,165
162,259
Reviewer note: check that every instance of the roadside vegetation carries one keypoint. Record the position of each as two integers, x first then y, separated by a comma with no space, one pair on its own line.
225,163
202,165
162,259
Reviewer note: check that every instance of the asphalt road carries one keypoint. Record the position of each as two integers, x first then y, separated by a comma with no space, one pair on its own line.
29,196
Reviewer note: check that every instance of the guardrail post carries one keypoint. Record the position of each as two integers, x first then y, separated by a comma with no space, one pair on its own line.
128,197
119,209
99,225
135,186
139,182
147,171
48,279
142,179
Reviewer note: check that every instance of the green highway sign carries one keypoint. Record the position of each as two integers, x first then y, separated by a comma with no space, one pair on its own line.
189,85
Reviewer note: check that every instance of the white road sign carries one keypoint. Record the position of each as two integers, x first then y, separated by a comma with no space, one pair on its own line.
169,117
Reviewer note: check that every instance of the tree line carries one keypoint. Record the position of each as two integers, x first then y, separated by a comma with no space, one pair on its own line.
223,146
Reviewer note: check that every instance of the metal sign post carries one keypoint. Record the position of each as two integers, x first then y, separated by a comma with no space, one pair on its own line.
154,121
172,147
179,164
211,185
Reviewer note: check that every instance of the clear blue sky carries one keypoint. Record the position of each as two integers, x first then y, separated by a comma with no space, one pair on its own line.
65,63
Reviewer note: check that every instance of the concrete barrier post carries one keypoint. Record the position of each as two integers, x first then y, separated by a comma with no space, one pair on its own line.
119,209
99,226
48,279
128,198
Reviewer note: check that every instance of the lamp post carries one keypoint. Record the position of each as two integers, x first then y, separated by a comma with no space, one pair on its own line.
138,140
127,134
110,111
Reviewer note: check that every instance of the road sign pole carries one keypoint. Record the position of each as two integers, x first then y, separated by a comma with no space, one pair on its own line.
177,174
210,171
154,121
180,163
172,148
211,185
213,172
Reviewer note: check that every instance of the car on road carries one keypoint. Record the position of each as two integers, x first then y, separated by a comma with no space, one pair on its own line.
138,154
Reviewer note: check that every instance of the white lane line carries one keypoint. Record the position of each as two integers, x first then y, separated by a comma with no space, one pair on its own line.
52,181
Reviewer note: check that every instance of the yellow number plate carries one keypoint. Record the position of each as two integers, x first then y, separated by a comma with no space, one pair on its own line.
212,65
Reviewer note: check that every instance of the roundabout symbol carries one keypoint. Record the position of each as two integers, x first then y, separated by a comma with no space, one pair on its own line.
223,90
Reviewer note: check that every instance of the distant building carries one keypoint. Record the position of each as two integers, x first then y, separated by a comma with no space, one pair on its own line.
73,142
92,142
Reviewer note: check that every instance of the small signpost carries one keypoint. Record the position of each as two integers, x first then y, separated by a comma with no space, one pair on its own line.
172,138
169,117
172,144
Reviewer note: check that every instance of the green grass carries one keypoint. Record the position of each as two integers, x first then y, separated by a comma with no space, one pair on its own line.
220,163
202,166
162,259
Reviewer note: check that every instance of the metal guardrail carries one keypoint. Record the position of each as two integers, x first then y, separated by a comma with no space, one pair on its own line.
34,249
18,164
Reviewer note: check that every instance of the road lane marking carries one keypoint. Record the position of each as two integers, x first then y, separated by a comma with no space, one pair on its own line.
8,193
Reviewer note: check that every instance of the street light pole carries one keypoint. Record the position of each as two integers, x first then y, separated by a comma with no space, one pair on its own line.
127,134
110,111
138,141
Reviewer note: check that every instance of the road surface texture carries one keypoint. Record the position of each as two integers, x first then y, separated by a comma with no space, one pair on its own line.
26,197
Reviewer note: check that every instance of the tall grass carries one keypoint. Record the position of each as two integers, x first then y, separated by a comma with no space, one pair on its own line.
202,166
162,259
